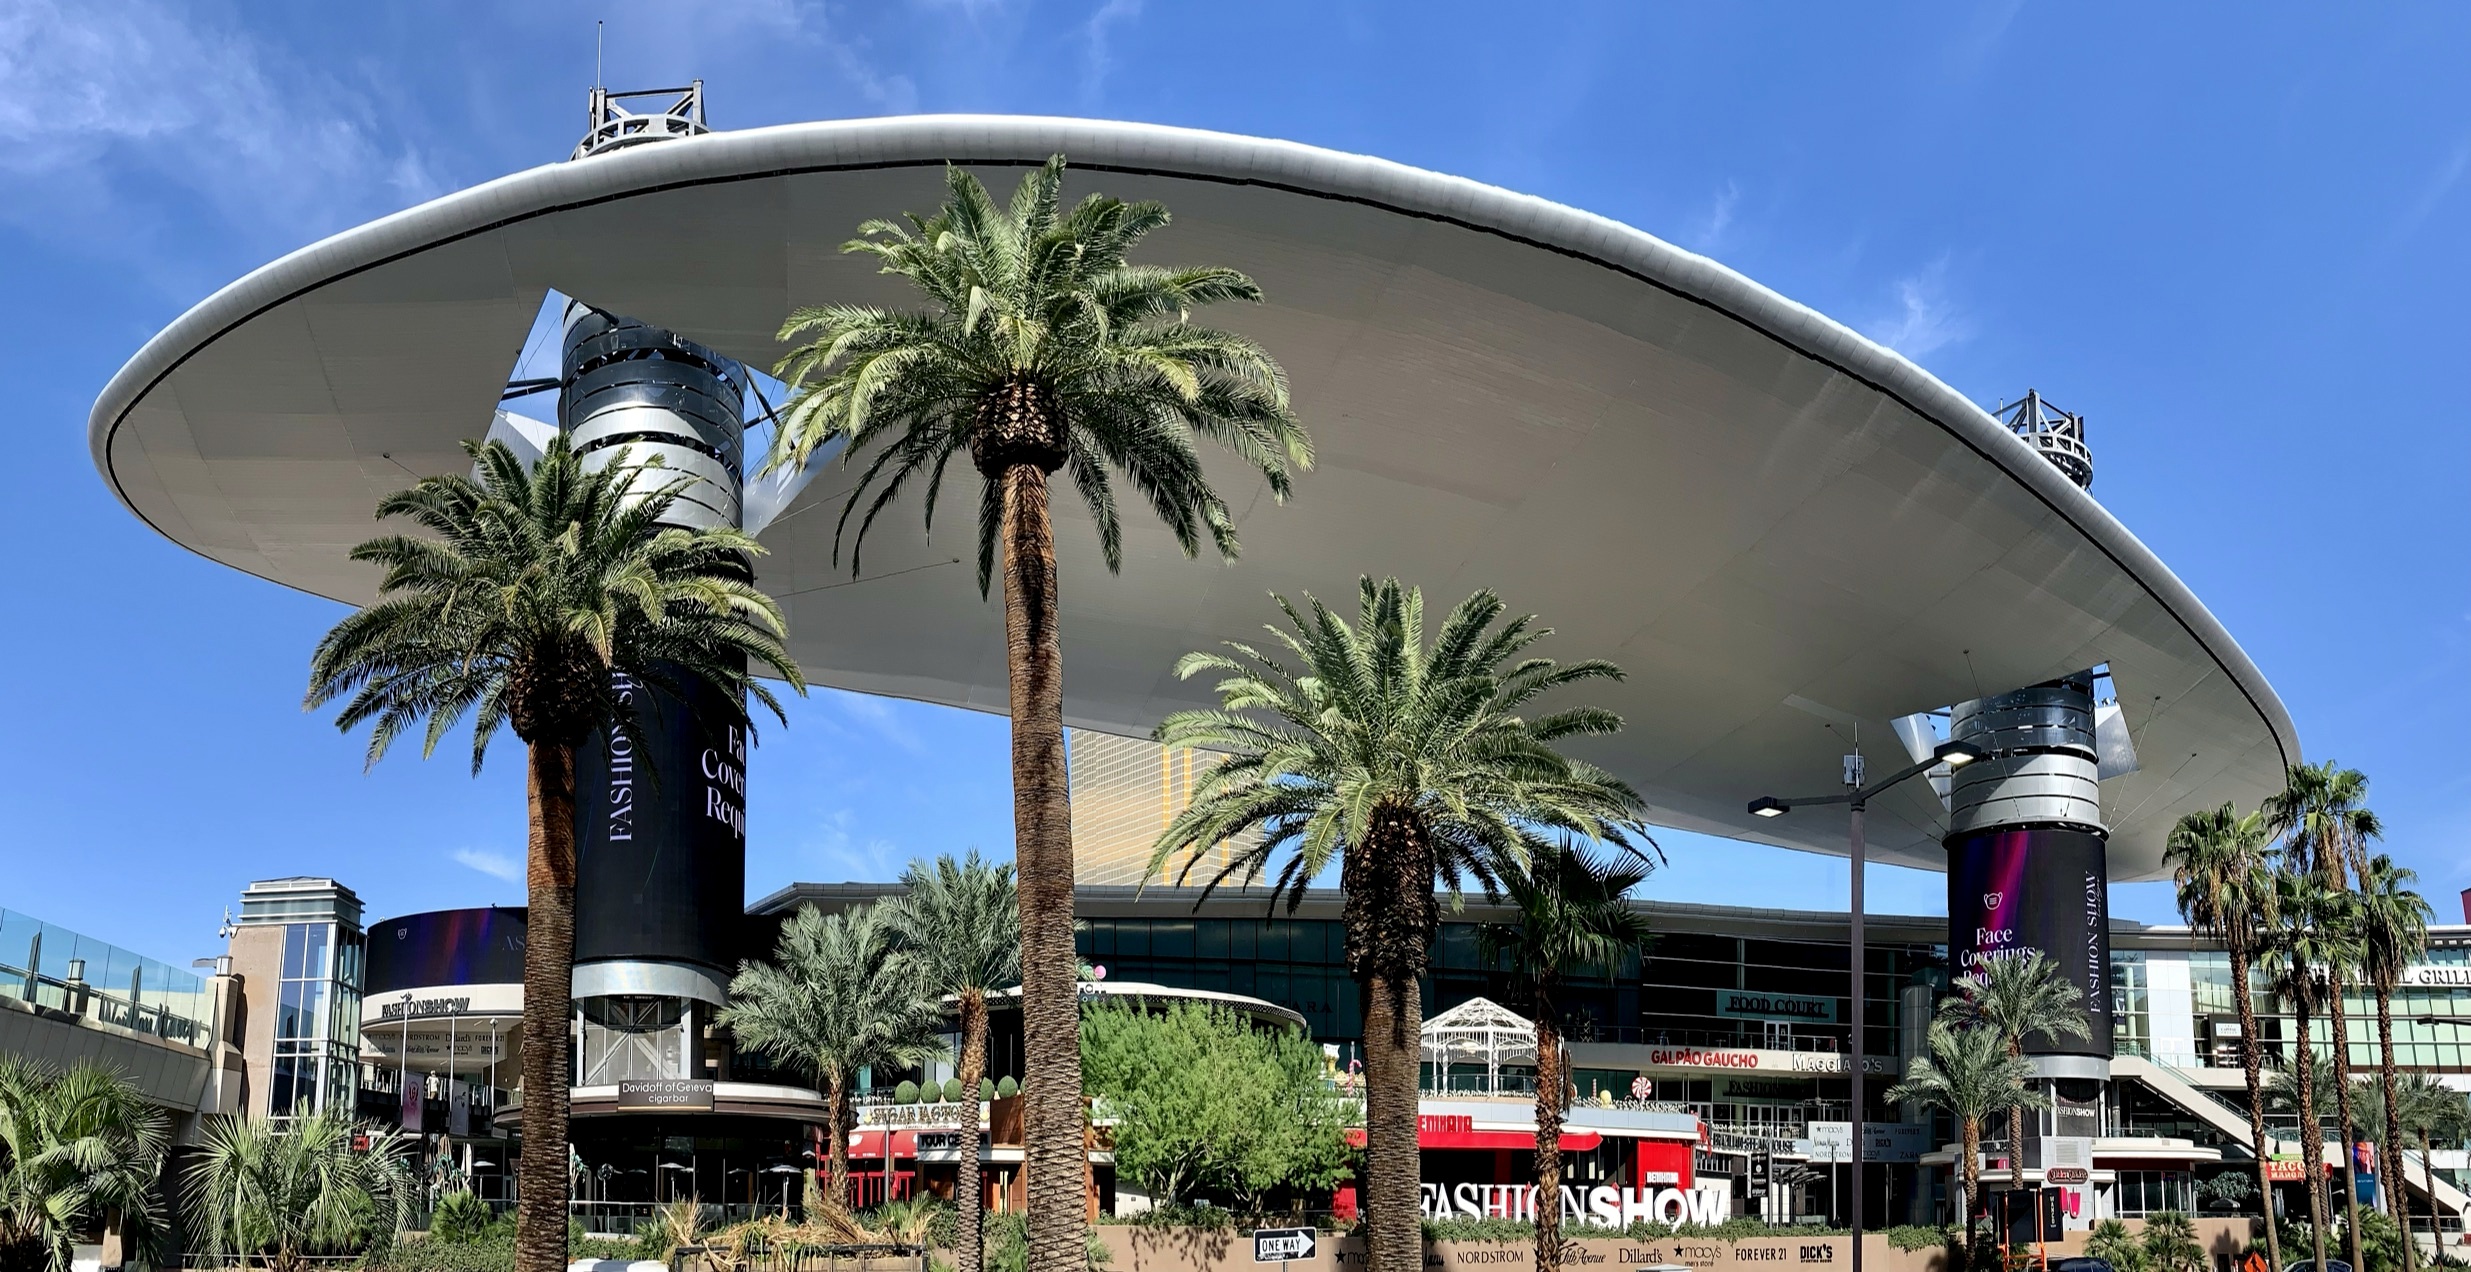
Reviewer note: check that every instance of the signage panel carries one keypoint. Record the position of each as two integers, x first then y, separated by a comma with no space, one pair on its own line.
1750,1060
2012,892
1283,1245
660,831
1881,1142
666,1095
1750,1005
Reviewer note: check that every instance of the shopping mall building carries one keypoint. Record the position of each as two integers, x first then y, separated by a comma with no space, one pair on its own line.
1823,569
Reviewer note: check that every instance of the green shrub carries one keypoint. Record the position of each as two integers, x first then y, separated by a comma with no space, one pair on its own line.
1920,1236
460,1218
1007,1088
986,1089
1007,1238
2111,1242
952,1090
906,1093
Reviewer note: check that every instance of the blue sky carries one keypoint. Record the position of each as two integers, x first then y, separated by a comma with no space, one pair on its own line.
2239,248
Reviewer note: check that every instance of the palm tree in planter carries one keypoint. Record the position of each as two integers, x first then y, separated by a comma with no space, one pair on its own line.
961,921
1971,1074
2393,933
78,1150
1041,348
1413,766
840,995
279,1194
2310,937
532,592
2225,890
2322,814
2016,998
1574,912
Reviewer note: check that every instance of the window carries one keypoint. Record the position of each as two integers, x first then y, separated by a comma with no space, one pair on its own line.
2131,1027
317,1021
2143,1192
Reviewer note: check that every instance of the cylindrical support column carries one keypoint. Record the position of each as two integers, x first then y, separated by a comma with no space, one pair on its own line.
661,833
2026,866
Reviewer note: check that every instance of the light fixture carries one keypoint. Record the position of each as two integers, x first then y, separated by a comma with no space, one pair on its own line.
1959,754
1768,806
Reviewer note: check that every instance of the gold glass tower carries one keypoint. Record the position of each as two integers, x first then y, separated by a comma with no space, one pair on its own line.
1124,792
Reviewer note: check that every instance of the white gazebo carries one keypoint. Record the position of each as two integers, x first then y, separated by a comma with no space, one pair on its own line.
1478,1031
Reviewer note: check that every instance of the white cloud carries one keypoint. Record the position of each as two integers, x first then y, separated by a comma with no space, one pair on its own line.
88,91
496,865
882,717
1925,318
1096,60
1710,234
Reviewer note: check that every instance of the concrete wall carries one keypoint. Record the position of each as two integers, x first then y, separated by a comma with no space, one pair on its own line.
169,1073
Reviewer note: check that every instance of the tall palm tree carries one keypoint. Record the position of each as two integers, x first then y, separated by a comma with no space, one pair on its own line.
2323,816
533,590
2393,931
78,1150
2311,937
279,1194
1413,766
840,995
1041,348
2016,998
2225,891
1574,912
1970,1073
962,922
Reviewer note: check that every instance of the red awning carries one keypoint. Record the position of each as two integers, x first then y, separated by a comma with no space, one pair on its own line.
1572,1141
870,1144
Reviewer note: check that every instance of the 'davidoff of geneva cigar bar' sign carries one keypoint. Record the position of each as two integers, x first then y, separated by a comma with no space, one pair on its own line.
1594,1207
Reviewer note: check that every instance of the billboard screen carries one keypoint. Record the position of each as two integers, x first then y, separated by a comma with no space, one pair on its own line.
2013,891
661,833
446,947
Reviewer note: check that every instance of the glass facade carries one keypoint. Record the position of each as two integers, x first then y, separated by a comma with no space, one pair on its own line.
113,986
2429,1022
2143,1192
2132,1030
317,1021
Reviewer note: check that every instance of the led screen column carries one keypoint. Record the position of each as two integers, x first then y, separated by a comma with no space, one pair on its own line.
661,816
2025,853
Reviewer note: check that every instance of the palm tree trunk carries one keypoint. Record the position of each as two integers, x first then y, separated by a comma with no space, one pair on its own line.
1972,1147
2016,1130
1393,1052
2251,1056
2312,1137
2428,1173
967,1198
836,1148
2350,1133
1550,1088
2389,1169
548,1001
1042,850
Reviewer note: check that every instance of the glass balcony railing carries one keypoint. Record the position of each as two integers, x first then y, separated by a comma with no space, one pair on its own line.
65,971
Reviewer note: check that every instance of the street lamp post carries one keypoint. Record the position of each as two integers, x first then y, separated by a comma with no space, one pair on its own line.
1857,794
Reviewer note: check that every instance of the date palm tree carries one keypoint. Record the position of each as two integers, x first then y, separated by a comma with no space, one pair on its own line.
2326,825
2430,1112
1574,912
2311,938
532,593
2225,890
2393,932
1040,349
1970,1073
840,995
279,1194
78,1150
1412,766
2016,998
962,922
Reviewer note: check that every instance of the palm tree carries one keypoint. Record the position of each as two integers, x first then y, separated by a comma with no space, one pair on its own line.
2323,815
2016,998
1970,1073
840,996
1412,766
2225,891
2393,930
961,921
537,590
2311,936
2171,1244
2430,1111
1041,348
78,1150
277,1194
1573,912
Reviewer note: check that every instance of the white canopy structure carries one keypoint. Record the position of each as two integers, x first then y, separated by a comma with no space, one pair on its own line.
1478,1031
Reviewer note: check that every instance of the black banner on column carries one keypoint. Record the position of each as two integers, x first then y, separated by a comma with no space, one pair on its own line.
2012,891
661,833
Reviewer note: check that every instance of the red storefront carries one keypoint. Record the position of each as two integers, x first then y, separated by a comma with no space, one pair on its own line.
1457,1149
